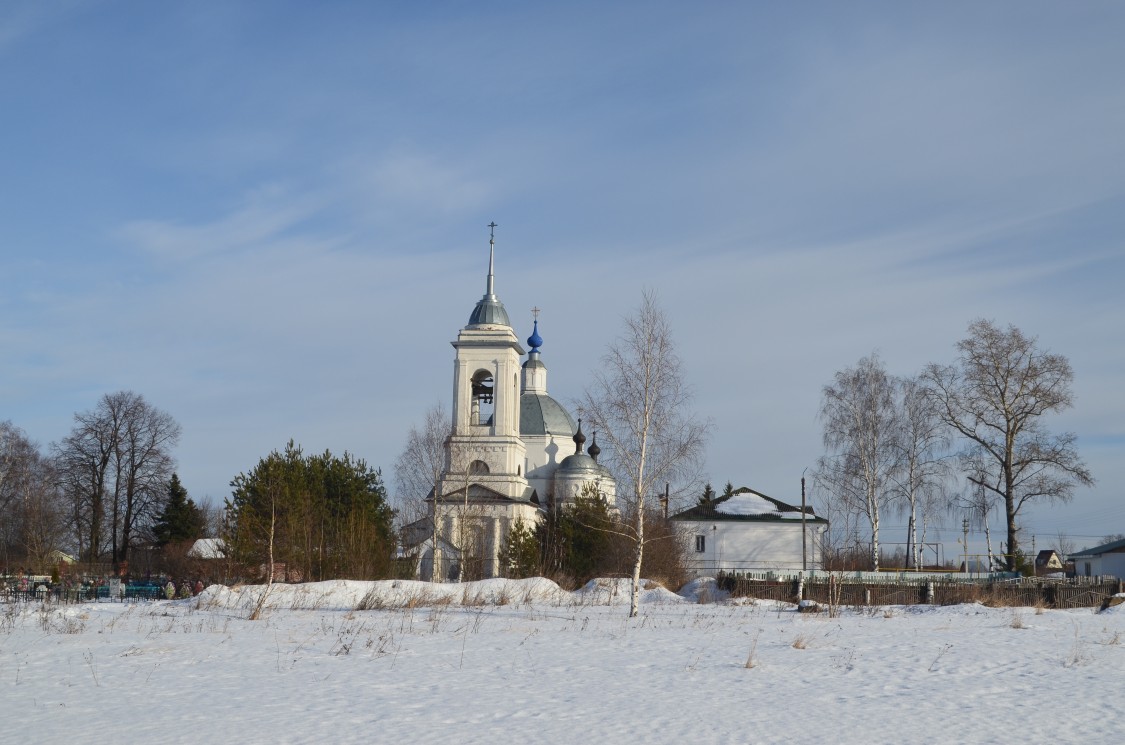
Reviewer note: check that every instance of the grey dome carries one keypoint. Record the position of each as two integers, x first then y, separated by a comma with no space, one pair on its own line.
542,415
489,311
579,463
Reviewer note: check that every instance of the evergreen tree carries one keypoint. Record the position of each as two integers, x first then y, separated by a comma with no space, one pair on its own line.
708,496
519,556
728,490
580,540
181,519
326,516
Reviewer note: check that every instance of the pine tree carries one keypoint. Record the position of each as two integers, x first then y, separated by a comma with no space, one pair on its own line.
708,496
581,540
519,555
325,516
181,519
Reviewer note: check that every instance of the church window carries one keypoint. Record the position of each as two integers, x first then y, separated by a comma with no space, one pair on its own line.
478,468
700,544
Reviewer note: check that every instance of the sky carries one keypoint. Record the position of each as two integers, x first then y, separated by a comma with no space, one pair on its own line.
269,219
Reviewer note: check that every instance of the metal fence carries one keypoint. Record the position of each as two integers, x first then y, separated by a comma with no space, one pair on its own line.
81,594
1064,593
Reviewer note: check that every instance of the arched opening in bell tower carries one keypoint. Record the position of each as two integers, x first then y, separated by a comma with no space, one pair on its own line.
483,400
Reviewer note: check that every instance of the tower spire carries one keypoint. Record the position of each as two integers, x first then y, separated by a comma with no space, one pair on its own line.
490,291
489,311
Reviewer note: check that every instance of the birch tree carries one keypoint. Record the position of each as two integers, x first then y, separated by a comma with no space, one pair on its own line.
639,402
923,472
861,435
995,396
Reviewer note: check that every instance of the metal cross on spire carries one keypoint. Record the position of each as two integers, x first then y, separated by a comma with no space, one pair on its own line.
535,313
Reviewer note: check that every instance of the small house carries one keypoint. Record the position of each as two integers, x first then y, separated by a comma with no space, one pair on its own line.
1105,560
1048,561
749,531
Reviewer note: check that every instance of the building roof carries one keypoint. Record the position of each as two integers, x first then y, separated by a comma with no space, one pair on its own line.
208,548
1045,555
489,311
542,415
1108,548
481,494
581,463
745,505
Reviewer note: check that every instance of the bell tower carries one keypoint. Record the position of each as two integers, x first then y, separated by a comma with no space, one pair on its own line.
485,448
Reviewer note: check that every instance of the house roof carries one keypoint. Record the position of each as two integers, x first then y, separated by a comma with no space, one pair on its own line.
1108,548
1044,557
747,505
208,548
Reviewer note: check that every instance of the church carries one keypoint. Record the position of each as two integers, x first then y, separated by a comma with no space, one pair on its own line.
513,452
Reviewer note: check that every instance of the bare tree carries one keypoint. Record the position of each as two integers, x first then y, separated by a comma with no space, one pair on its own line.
638,401
923,471
977,504
12,454
115,464
418,471
1064,545
995,397
32,524
861,434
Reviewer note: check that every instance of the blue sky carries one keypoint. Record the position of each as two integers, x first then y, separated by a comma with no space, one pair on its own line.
269,218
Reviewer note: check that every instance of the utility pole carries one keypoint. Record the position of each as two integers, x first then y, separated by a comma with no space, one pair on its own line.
804,531
965,532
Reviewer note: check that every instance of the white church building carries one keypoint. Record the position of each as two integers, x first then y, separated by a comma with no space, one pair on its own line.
512,453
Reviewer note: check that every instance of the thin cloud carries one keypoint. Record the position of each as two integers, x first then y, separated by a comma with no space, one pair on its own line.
267,215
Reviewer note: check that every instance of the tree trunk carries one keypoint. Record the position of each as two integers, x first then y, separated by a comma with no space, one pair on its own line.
636,589
1013,540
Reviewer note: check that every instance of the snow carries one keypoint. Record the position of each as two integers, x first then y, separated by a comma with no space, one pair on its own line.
747,504
208,548
505,661
753,505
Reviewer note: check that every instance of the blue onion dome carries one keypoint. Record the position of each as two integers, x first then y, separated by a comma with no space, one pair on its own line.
535,340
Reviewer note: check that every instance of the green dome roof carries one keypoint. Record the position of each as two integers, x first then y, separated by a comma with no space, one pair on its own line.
542,415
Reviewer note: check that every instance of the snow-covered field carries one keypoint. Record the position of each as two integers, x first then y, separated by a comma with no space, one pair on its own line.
507,661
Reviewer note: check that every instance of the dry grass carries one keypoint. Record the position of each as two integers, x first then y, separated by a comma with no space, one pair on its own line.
371,601
751,659
801,641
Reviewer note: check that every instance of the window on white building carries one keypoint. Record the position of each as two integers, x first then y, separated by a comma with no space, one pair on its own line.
700,544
